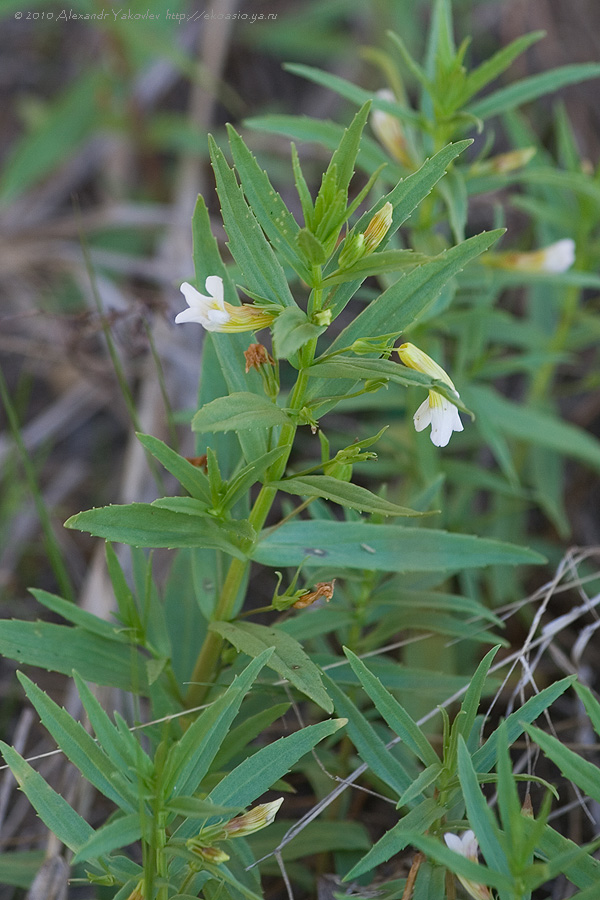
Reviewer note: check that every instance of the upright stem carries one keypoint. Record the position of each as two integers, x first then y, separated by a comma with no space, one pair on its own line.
208,658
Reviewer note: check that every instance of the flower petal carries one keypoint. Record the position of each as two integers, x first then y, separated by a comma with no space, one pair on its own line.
422,417
192,296
453,842
192,314
214,286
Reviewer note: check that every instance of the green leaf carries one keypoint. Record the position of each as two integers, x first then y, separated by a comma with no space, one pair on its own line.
344,157
399,720
122,749
404,197
485,757
80,748
390,548
238,412
471,700
119,833
349,91
258,773
59,648
242,735
592,707
289,659
398,837
190,758
343,492
311,248
371,748
316,837
53,810
145,525
409,298
479,813
496,64
189,476
227,373
304,128
260,268
250,474
273,215
378,263
531,88
584,871
533,425
292,330
573,766
73,613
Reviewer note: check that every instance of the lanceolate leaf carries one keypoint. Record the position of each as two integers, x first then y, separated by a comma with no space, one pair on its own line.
342,492
189,476
396,839
573,766
273,215
391,548
531,88
60,648
80,748
53,810
254,255
289,659
145,525
118,833
369,745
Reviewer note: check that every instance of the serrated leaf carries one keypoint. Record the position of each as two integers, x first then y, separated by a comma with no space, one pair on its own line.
391,548
53,810
344,156
343,492
273,215
573,766
289,659
145,525
79,747
238,412
479,814
260,268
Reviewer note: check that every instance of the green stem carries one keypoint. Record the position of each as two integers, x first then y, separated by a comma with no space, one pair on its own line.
208,658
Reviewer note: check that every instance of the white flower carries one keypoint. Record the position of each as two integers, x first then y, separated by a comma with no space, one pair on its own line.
436,411
215,314
468,847
555,258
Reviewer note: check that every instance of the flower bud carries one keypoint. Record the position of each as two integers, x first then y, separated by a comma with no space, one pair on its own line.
210,854
256,356
256,818
388,131
504,162
378,227
555,258
352,251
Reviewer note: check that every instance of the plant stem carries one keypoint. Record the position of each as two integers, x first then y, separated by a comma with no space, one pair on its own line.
208,658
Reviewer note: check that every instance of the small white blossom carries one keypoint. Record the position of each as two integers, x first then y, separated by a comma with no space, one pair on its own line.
436,411
215,314
468,847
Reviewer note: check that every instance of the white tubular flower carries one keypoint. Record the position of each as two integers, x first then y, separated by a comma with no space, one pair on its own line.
215,314
555,258
436,411
388,130
468,847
